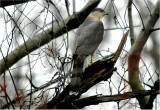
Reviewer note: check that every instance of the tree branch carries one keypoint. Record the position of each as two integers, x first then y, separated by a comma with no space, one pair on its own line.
93,100
4,3
134,56
130,21
101,70
153,96
45,37
98,71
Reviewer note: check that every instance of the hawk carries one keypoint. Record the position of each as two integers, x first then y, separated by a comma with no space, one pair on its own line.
88,37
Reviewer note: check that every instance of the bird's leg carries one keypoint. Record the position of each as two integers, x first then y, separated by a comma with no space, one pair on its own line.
91,59
92,55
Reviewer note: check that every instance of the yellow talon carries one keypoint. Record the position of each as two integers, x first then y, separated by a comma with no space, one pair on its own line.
91,60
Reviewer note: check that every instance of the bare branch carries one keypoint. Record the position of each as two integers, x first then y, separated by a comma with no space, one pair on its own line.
121,45
93,100
101,70
134,56
156,29
45,37
130,21
4,3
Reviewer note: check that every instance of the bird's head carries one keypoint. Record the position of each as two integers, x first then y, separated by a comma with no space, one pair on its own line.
98,14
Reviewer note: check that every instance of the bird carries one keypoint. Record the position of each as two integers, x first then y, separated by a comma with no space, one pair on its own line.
87,39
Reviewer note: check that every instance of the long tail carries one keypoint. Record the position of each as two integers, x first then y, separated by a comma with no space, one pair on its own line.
77,72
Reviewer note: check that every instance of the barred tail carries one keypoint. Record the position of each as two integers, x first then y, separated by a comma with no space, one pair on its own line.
77,72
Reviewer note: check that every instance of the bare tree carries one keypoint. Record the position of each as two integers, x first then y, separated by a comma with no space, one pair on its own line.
37,43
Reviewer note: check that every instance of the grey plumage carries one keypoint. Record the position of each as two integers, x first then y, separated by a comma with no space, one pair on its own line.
88,37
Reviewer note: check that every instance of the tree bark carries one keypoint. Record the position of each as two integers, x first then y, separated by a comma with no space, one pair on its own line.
93,100
134,55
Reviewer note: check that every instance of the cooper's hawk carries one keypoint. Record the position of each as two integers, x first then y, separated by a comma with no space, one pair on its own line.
88,37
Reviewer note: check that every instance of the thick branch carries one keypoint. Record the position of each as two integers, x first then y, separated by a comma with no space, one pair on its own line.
45,37
134,56
4,3
153,96
93,100
98,71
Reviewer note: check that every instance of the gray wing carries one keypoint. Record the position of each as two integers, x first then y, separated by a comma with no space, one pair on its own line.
88,37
